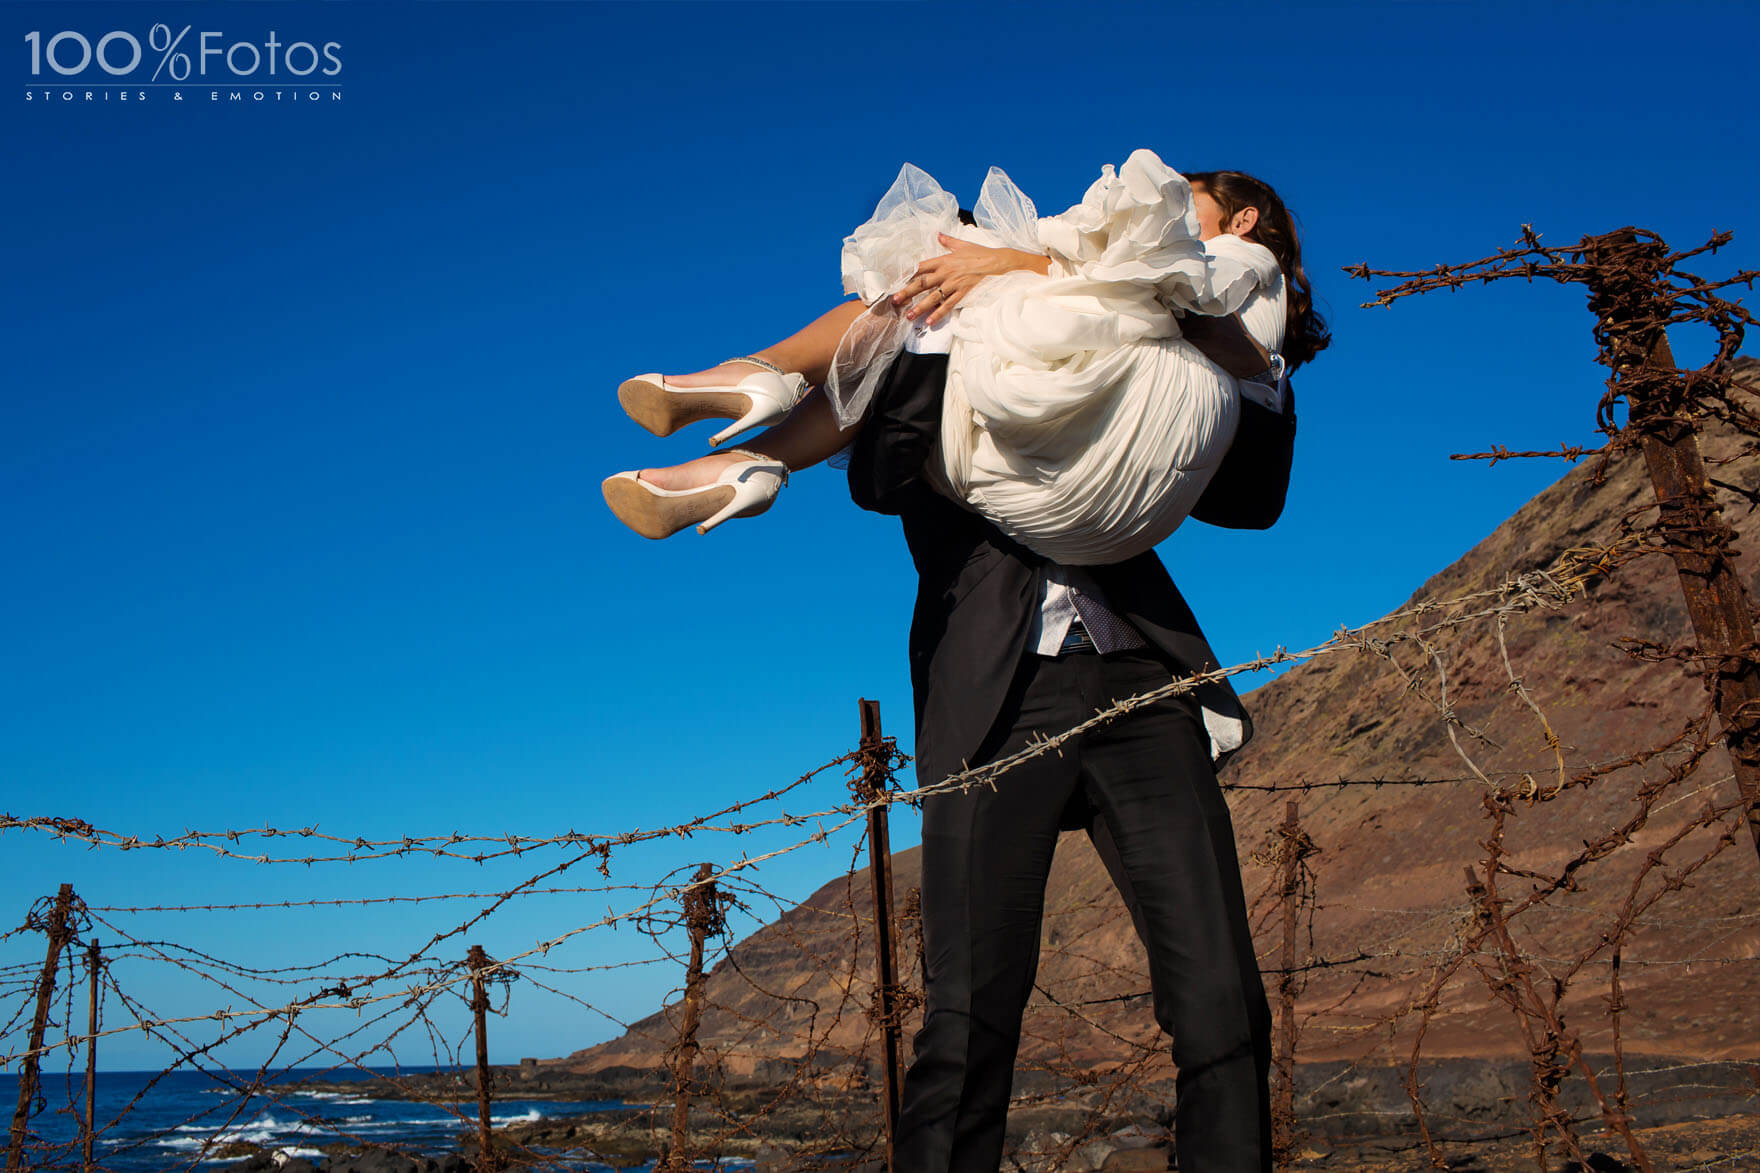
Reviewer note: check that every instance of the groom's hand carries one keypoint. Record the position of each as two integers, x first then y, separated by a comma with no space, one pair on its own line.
945,279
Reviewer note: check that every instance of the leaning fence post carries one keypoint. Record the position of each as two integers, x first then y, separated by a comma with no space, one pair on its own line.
477,960
93,961
873,784
1628,302
1284,1101
702,916
27,1077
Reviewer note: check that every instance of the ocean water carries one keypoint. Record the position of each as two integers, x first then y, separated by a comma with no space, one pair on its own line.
176,1122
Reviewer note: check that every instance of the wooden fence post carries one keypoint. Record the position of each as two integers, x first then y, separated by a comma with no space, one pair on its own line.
1629,304
94,960
486,1161
873,784
1283,1108
27,1078
702,914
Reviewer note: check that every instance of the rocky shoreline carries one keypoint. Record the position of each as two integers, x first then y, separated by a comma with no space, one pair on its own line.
1363,1112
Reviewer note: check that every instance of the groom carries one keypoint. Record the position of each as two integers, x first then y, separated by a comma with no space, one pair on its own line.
1005,647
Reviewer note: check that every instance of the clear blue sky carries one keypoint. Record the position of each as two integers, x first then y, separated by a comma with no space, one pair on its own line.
307,404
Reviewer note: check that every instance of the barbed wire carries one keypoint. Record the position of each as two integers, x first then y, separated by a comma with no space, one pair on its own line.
770,1040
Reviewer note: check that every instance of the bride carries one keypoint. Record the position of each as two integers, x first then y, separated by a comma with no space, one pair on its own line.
1096,359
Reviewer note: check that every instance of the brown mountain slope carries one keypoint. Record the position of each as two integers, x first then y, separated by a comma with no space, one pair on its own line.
1388,882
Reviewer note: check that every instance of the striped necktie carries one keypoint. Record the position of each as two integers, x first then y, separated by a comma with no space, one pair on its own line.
1109,631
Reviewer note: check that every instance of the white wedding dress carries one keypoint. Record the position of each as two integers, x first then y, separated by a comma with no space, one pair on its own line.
1076,417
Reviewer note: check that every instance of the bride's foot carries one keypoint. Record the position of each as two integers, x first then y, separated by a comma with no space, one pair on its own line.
719,376
692,474
753,394
657,503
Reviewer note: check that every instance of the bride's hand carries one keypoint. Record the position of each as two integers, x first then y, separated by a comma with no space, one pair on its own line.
952,275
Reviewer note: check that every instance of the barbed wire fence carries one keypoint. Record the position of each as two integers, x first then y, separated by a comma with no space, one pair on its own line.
788,1046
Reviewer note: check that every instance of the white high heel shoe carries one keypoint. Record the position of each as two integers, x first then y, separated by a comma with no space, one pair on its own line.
763,397
745,489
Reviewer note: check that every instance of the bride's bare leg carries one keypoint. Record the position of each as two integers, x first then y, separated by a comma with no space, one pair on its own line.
808,350
809,434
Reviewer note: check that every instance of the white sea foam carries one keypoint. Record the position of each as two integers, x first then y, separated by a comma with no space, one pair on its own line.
260,1131
527,1117
338,1097
403,1121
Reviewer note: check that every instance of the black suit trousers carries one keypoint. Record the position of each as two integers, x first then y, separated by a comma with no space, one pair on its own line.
1144,787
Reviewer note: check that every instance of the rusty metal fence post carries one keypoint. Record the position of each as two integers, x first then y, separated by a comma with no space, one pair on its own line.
702,913
478,961
27,1077
94,962
876,774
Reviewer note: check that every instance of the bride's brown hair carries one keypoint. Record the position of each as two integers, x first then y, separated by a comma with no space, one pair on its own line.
1306,332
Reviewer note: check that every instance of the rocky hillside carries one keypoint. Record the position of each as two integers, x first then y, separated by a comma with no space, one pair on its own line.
1388,885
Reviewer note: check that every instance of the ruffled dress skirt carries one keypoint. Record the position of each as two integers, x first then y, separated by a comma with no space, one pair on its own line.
1076,418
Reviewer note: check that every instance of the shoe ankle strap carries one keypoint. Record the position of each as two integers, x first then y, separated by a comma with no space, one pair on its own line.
762,362
759,456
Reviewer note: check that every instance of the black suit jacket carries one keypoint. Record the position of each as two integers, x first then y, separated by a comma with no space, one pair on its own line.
977,589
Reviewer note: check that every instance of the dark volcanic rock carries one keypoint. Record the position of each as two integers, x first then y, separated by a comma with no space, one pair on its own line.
524,1082
1148,1160
378,1162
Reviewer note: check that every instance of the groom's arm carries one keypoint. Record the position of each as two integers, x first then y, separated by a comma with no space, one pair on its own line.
1226,343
